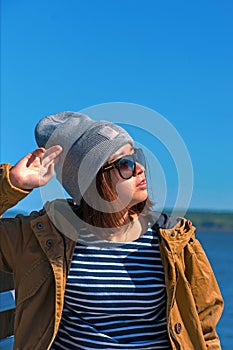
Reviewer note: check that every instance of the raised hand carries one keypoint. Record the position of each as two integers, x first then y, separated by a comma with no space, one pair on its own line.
35,169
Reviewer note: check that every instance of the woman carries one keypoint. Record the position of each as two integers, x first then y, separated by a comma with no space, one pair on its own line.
103,271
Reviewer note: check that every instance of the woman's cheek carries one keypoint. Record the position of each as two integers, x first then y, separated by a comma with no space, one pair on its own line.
125,191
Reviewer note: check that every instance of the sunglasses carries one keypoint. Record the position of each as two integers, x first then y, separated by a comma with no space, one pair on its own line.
126,165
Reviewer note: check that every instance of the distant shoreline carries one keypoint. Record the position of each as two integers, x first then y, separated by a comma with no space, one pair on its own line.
210,221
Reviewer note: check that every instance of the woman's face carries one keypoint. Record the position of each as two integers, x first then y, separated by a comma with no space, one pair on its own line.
134,190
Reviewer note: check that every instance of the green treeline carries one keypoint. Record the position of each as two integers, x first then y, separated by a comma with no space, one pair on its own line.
211,221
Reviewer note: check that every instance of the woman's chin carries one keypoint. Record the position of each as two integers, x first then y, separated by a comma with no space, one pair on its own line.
139,199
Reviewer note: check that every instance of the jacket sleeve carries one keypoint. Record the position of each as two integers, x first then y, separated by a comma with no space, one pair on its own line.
206,292
9,228
9,195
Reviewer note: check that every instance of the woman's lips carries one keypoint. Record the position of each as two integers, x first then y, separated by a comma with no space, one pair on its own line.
142,184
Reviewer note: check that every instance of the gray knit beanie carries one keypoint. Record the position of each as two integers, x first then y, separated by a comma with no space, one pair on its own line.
87,145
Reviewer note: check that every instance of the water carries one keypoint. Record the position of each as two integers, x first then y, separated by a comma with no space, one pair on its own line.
218,247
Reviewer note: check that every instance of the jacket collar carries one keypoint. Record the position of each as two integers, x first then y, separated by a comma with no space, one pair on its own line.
59,216
179,235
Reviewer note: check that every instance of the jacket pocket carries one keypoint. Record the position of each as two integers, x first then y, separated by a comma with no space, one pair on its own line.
32,280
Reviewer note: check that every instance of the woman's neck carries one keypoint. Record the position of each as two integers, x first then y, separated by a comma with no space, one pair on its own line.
133,227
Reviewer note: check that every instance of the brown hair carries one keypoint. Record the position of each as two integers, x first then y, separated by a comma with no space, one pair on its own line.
112,217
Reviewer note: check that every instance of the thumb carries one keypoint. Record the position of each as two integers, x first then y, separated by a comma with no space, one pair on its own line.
37,153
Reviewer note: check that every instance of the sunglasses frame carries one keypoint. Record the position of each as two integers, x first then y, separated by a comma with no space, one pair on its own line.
133,157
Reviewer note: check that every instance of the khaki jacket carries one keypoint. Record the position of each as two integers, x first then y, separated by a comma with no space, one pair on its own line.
39,255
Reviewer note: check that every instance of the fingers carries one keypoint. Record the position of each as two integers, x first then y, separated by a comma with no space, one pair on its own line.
50,158
50,171
51,155
43,156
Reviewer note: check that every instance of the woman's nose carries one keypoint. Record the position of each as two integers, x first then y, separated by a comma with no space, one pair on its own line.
139,169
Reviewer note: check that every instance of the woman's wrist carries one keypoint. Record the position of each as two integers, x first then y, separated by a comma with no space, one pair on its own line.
15,183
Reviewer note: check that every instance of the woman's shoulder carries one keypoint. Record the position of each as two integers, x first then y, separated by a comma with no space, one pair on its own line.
163,220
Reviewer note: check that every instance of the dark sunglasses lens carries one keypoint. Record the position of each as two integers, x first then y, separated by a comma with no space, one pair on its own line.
140,157
126,167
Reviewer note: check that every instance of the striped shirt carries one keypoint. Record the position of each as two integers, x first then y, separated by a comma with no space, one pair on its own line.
115,296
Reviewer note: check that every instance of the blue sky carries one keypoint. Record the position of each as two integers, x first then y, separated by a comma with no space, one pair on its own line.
174,57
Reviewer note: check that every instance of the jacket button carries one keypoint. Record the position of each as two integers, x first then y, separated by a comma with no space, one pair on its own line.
178,328
39,225
49,243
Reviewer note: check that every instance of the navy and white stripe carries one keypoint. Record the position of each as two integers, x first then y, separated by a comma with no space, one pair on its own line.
115,297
